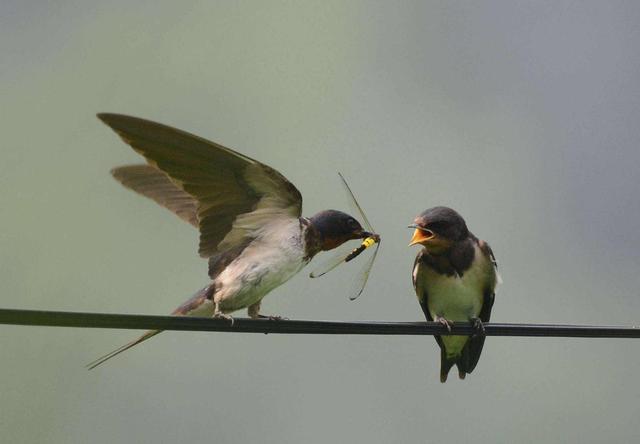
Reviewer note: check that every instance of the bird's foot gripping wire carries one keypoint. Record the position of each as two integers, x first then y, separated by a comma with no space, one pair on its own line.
478,327
443,321
220,315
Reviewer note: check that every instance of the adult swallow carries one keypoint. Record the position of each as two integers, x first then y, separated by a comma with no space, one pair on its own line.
454,277
248,215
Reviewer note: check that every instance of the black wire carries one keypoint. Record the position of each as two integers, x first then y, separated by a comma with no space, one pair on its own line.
243,325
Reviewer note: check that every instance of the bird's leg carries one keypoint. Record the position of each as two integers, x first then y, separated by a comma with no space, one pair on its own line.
443,321
218,314
478,326
254,313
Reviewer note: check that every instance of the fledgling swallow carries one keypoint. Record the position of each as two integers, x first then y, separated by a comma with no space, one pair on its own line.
454,277
248,214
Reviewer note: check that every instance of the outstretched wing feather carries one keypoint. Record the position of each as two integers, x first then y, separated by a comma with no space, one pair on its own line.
225,184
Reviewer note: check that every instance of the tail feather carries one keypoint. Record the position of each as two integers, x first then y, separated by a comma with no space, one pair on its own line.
470,355
466,361
117,351
445,365
188,308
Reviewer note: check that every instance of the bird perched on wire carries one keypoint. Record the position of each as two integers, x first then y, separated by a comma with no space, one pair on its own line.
454,277
248,214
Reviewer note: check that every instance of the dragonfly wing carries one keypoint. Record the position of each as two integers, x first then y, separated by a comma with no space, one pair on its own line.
347,252
355,205
362,276
332,261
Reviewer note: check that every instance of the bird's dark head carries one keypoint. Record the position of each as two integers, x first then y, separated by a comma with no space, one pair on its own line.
438,228
335,228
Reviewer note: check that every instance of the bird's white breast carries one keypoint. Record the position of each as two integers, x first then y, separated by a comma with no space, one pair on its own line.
273,258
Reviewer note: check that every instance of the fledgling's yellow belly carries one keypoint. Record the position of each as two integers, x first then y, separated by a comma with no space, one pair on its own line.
453,345
455,302
455,299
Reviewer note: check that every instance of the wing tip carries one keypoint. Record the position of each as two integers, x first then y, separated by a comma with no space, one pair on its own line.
107,118
120,172
116,172
116,121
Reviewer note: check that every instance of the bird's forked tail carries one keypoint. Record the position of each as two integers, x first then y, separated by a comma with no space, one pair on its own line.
117,351
190,307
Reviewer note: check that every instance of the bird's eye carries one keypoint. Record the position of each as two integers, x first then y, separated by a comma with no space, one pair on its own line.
353,223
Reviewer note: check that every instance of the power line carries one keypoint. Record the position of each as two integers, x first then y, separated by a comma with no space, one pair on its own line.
243,325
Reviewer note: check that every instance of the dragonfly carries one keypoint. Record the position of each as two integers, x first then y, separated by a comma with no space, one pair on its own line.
347,253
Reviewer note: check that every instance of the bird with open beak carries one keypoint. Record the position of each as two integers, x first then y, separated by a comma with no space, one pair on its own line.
454,277
248,214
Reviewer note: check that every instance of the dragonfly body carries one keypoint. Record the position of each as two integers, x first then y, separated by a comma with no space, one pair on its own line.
368,242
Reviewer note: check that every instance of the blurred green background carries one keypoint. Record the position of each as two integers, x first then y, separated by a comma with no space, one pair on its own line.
524,116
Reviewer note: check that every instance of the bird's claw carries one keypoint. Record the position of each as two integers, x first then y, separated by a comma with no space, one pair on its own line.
478,327
220,315
443,321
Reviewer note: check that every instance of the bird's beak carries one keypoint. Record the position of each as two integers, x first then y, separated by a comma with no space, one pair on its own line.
420,235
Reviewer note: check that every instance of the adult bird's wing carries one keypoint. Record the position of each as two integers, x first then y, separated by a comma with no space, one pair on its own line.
157,186
234,196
